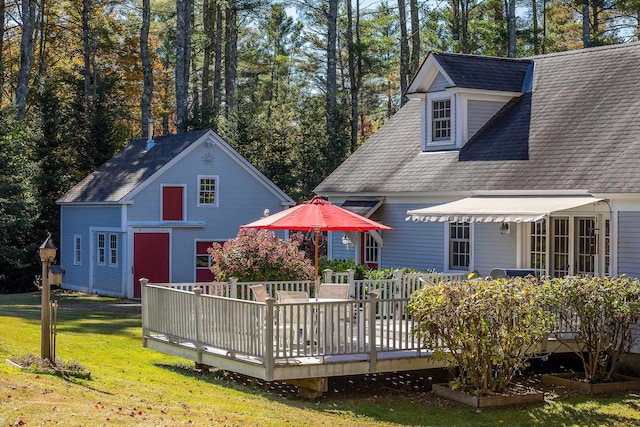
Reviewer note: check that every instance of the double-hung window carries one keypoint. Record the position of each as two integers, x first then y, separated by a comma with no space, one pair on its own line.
77,249
101,249
113,250
208,193
441,119
459,246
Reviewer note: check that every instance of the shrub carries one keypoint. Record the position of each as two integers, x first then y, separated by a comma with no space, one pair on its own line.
388,273
342,265
600,311
259,255
484,329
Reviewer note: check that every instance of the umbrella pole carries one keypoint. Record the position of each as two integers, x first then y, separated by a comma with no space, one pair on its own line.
317,231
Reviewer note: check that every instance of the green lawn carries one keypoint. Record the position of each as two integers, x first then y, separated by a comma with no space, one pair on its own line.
131,385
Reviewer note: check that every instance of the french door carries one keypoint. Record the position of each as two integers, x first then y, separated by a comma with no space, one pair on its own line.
574,246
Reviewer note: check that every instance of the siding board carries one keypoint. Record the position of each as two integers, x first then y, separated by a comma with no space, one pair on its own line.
491,249
479,113
629,243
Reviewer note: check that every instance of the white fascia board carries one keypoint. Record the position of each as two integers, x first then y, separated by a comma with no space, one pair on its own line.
94,204
427,74
484,94
167,224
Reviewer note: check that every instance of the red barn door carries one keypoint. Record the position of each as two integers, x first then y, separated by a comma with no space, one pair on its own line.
150,259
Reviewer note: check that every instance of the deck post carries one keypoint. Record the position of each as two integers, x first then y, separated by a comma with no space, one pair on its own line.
234,287
198,318
144,299
268,339
373,351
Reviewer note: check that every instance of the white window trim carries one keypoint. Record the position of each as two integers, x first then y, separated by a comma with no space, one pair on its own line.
77,249
447,241
113,264
184,199
102,249
447,143
216,178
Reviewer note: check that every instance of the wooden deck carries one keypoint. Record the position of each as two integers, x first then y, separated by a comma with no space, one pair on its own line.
219,325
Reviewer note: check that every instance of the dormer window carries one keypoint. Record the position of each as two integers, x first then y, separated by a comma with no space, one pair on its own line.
440,121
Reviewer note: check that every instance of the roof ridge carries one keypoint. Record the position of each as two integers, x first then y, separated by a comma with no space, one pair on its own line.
586,50
483,57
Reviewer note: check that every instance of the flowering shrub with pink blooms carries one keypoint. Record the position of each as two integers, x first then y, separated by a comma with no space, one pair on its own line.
256,255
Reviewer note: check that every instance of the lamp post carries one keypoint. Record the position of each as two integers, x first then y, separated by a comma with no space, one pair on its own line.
47,254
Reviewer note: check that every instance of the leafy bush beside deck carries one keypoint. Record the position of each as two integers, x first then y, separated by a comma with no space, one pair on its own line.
485,329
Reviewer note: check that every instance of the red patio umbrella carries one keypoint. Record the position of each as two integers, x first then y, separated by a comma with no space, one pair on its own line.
316,215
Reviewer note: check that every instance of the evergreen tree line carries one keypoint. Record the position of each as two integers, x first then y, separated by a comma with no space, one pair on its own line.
295,87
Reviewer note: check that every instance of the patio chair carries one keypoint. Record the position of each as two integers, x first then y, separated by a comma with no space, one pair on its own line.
498,273
295,320
292,296
332,290
259,292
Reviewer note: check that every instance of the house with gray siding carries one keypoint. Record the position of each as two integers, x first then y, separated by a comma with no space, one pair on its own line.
525,163
154,209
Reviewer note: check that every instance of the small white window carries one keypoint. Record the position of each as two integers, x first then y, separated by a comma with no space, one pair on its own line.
459,246
441,120
101,249
77,249
439,130
113,250
207,191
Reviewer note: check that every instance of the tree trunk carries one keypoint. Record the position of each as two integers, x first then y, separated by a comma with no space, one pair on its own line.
455,19
217,69
183,57
147,70
415,37
2,15
353,84
464,26
404,51
510,9
41,36
586,34
208,17
26,56
332,36
544,26
230,57
534,17
87,56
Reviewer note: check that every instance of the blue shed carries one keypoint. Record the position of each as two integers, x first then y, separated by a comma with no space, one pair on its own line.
154,209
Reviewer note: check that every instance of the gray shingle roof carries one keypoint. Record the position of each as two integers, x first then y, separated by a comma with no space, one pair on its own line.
129,168
484,72
583,134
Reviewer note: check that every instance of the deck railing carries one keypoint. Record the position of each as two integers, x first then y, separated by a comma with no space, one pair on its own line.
272,330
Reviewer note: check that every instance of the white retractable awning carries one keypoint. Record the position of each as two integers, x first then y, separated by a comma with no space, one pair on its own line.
499,209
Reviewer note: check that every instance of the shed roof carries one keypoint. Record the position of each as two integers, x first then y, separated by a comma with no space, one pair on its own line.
129,168
579,129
